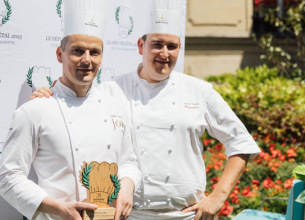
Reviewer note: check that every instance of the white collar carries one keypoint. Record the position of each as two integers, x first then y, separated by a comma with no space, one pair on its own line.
139,79
67,92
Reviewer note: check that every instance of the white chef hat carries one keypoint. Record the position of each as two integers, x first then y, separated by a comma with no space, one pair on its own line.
165,17
85,17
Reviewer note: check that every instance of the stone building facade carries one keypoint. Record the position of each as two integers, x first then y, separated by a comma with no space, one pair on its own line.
218,37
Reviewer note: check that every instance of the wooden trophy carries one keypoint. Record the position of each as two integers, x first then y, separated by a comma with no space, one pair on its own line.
103,185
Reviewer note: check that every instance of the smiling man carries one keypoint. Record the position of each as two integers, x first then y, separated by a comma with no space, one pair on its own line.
75,126
169,112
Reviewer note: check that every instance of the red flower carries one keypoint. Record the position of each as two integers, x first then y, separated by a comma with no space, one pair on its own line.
282,158
207,170
267,139
283,144
226,209
255,184
247,192
235,200
276,152
288,183
291,152
214,186
215,179
271,146
268,183
207,142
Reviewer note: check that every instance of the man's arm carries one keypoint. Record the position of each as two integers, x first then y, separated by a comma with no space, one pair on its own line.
18,153
208,207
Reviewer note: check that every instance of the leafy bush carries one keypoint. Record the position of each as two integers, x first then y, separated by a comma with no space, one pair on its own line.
287,55
266,103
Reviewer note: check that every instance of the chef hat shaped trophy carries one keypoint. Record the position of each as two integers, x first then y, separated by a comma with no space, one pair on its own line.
103,186
88,17
165,17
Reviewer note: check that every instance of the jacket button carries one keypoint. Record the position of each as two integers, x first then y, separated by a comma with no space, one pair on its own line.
63,99
138,126
105,120
168,175
173,125
170,150
109,145
174,103
168,200
148,201
173,83
99,100
77,148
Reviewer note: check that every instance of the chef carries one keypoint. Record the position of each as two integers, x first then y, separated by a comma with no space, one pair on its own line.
78,124
170,111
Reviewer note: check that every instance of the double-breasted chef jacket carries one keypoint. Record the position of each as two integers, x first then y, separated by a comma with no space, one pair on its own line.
168,121
58,135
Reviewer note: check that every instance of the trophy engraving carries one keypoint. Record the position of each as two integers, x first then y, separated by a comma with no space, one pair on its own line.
103,186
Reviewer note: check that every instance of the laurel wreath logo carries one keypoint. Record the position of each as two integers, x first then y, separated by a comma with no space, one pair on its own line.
86,174
98,77
50,81
6,18
58,7
117,184
29,77
117,12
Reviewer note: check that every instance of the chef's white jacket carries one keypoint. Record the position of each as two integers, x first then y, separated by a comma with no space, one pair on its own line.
168,120
57,135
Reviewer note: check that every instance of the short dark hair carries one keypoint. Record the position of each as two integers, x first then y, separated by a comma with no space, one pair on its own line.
144,37
64,43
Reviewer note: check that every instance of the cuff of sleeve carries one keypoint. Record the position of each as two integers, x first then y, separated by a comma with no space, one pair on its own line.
245,145
135,176
31,211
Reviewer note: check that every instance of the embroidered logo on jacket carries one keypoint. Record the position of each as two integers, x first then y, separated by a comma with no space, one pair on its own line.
117,122
191,105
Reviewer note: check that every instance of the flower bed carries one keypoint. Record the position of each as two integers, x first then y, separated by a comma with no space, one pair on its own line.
272,108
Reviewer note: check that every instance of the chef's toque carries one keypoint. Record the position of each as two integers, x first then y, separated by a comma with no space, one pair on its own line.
165,17
85,17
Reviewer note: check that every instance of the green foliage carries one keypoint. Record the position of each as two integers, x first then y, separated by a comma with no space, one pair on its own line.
266,103
289,57
131,28
299,172
50,81
9,12
117,184
301,198
98,77
29,77
117,15
85,174
58,7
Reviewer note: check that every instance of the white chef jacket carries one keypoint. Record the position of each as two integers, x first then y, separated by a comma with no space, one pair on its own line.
168,120
57,135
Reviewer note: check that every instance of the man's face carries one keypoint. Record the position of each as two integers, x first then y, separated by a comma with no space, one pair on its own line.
81,59
160,54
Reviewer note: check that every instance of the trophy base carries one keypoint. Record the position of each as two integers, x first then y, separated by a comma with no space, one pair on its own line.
99,214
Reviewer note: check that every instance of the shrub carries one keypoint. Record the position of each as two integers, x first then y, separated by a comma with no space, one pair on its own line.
266,103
